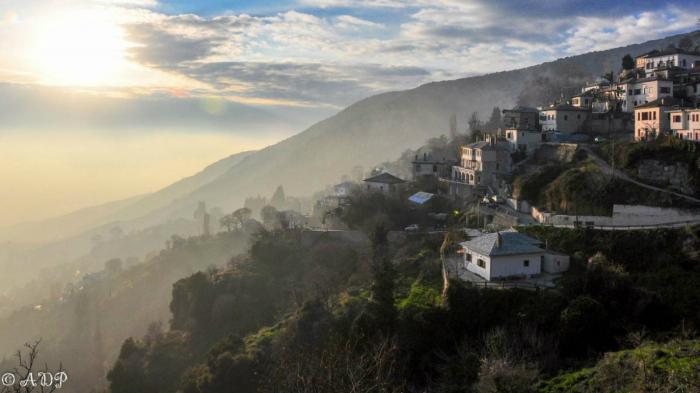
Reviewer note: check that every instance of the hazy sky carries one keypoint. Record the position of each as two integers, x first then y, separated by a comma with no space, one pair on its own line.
101,99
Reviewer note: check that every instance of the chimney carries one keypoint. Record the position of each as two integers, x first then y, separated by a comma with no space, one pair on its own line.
499,241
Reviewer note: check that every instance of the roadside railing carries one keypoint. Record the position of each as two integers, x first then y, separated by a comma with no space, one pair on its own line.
583,225
510,285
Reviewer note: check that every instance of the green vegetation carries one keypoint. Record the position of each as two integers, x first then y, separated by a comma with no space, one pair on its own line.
651,367
582,188
335,317
628,155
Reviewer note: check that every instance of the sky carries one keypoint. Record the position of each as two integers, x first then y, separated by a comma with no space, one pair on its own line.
104,99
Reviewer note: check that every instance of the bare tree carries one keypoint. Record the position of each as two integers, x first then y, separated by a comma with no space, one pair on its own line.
344,366
29,377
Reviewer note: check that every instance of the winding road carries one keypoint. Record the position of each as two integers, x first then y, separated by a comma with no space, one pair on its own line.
625,177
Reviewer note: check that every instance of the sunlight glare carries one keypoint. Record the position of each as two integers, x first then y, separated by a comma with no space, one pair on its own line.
80,50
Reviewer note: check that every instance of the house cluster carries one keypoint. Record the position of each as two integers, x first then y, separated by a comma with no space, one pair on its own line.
663,92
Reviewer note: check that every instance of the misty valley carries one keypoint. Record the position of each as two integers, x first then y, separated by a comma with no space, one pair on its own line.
340,196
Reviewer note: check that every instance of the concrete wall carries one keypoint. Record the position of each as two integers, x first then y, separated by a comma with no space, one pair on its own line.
555,263
472,266
623,215
512,266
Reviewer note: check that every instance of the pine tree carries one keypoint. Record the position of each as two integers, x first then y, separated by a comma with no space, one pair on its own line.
627,62
495,122
278,198
382,290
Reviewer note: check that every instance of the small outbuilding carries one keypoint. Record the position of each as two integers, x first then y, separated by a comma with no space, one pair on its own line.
384,182
507,254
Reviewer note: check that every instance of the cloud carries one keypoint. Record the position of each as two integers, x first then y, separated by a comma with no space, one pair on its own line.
161,48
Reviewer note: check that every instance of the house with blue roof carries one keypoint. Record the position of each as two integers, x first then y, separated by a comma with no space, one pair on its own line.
505,254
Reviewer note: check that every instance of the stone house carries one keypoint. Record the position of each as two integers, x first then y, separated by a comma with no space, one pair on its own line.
564,118
384,182
481,165
685,123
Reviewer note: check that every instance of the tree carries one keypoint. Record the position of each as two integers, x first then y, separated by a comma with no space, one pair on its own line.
627,62
241,215
269,216
453,126
474,122
686,43
114,266
278,198
227,222
383,276
27,369
495,121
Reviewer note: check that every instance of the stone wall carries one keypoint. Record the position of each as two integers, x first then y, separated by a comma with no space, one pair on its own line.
674,176
556,152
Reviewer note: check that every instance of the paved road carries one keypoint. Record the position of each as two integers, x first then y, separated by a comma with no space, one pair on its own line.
623,176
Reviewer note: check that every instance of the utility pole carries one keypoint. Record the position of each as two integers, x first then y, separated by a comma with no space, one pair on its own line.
613,157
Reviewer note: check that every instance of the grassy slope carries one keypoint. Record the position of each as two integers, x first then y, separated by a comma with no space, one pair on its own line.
651,367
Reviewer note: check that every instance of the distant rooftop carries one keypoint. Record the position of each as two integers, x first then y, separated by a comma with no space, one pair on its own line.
524,109
486,145
564,107
503,243
669,101
386,178
669,51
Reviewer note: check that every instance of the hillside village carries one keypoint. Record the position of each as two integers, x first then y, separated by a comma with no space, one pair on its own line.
507,255
652,103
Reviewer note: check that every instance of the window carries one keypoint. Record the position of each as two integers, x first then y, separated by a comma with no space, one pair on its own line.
654,113
566,117
665,90
526,263
468,256
645,116
578,117
637,92
676,118
434,168
480,262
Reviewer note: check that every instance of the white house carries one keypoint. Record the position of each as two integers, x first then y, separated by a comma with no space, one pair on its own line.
343,189
564,118
505,254
481,165
685,124
642,91
524,140
672,57
384,182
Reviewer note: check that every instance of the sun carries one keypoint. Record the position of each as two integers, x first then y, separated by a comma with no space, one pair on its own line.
79,49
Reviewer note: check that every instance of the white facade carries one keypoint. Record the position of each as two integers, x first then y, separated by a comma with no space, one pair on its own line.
510,254
527,141
685,124
644,91
566,119
555,262
682,60
522,265
480,165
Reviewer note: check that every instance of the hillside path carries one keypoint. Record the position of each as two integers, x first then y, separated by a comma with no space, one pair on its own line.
623,176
